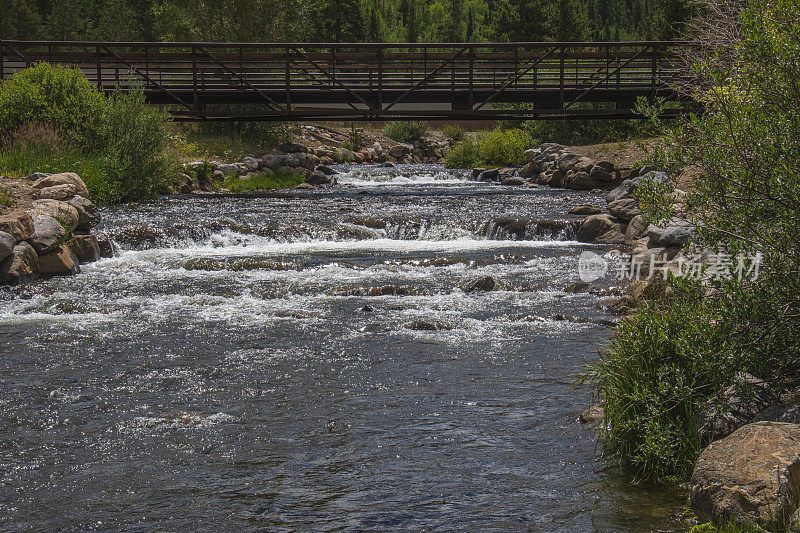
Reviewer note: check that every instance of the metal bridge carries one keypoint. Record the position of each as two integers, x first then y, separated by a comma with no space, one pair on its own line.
374,81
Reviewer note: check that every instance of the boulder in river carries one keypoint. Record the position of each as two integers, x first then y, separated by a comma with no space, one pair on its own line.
59,262
65,213
489,175
318,177
21,266
750,478
585,210
624,208
47,234
482,284
19,224
427,325
602,229
86,248
88,216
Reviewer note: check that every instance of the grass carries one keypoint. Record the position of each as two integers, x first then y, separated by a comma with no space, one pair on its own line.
405,131
5,201
495,148
262,181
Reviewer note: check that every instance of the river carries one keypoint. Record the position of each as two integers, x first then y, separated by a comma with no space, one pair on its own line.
310,360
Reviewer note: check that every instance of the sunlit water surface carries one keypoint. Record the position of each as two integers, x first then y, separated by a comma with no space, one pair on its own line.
309,360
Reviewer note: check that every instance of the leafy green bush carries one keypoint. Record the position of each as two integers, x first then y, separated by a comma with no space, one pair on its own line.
262,181
55,95
463,155
405,131
53,120
453,132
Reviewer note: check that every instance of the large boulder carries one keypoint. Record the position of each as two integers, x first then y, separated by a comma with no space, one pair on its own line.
7,242
629,186
88,216
86,248
399,150
737,405
21,266
61,182
624,208
674,233
489,175
59,262
637,229
292,148
602,229
582,181
750,478
47,234
19,224
601,174
318,177
65,213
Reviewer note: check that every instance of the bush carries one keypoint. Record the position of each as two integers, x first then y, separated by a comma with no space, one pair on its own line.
405,131
463,155
55,95
453,132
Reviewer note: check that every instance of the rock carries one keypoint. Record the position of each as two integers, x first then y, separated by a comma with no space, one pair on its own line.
593,415
21,266
737,405
750,478
328,171
568,161
347,155
65,213
106,247
600,174
400,150
513,182
318,178
637,228
58,180
675,233
581,181
786,412
37,176
482,284
303,186
86,248
229,168
292,148
624,208
59,262
489,175
608,166
250,163
427,325
585,210
575,288
602,229
272,161
47,234
532,153
7,243
529,171
629,186
88,217
19,224
58,192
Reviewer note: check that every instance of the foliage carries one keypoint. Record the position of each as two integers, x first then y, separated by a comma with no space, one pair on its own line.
58,96
54,121
262,181
355,140
405,131
5,200
453,132
465,154
745,145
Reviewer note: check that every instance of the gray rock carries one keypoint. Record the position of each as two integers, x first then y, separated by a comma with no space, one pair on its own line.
482,284
328,171
529,171
58,192
47,234
37,176
250,163
21,266
489,175
318,178
65,213
7,243
513,181
675,233
585,210
86,248
229,168
71,179
582,181
272,161
624,208
400,150
637,228
88,216
106,246
608,166
750,478
627,187
737,405
568,161
601,174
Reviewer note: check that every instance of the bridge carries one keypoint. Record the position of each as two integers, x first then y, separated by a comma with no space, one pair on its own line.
374,81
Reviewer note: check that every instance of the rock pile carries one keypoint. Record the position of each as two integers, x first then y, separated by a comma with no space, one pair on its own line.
53,237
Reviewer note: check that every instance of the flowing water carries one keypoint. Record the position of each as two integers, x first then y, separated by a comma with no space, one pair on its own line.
311,360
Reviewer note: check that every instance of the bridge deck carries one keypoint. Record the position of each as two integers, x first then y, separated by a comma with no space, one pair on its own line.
324,81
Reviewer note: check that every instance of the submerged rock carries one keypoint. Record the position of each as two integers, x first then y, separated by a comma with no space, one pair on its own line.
751,478
427,325
593,415
482,284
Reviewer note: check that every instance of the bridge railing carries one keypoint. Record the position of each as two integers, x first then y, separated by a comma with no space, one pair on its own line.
375,78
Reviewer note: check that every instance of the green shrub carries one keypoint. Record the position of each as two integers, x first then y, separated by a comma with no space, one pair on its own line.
463,155
52,94
261,182
453,132
503,147
405,131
